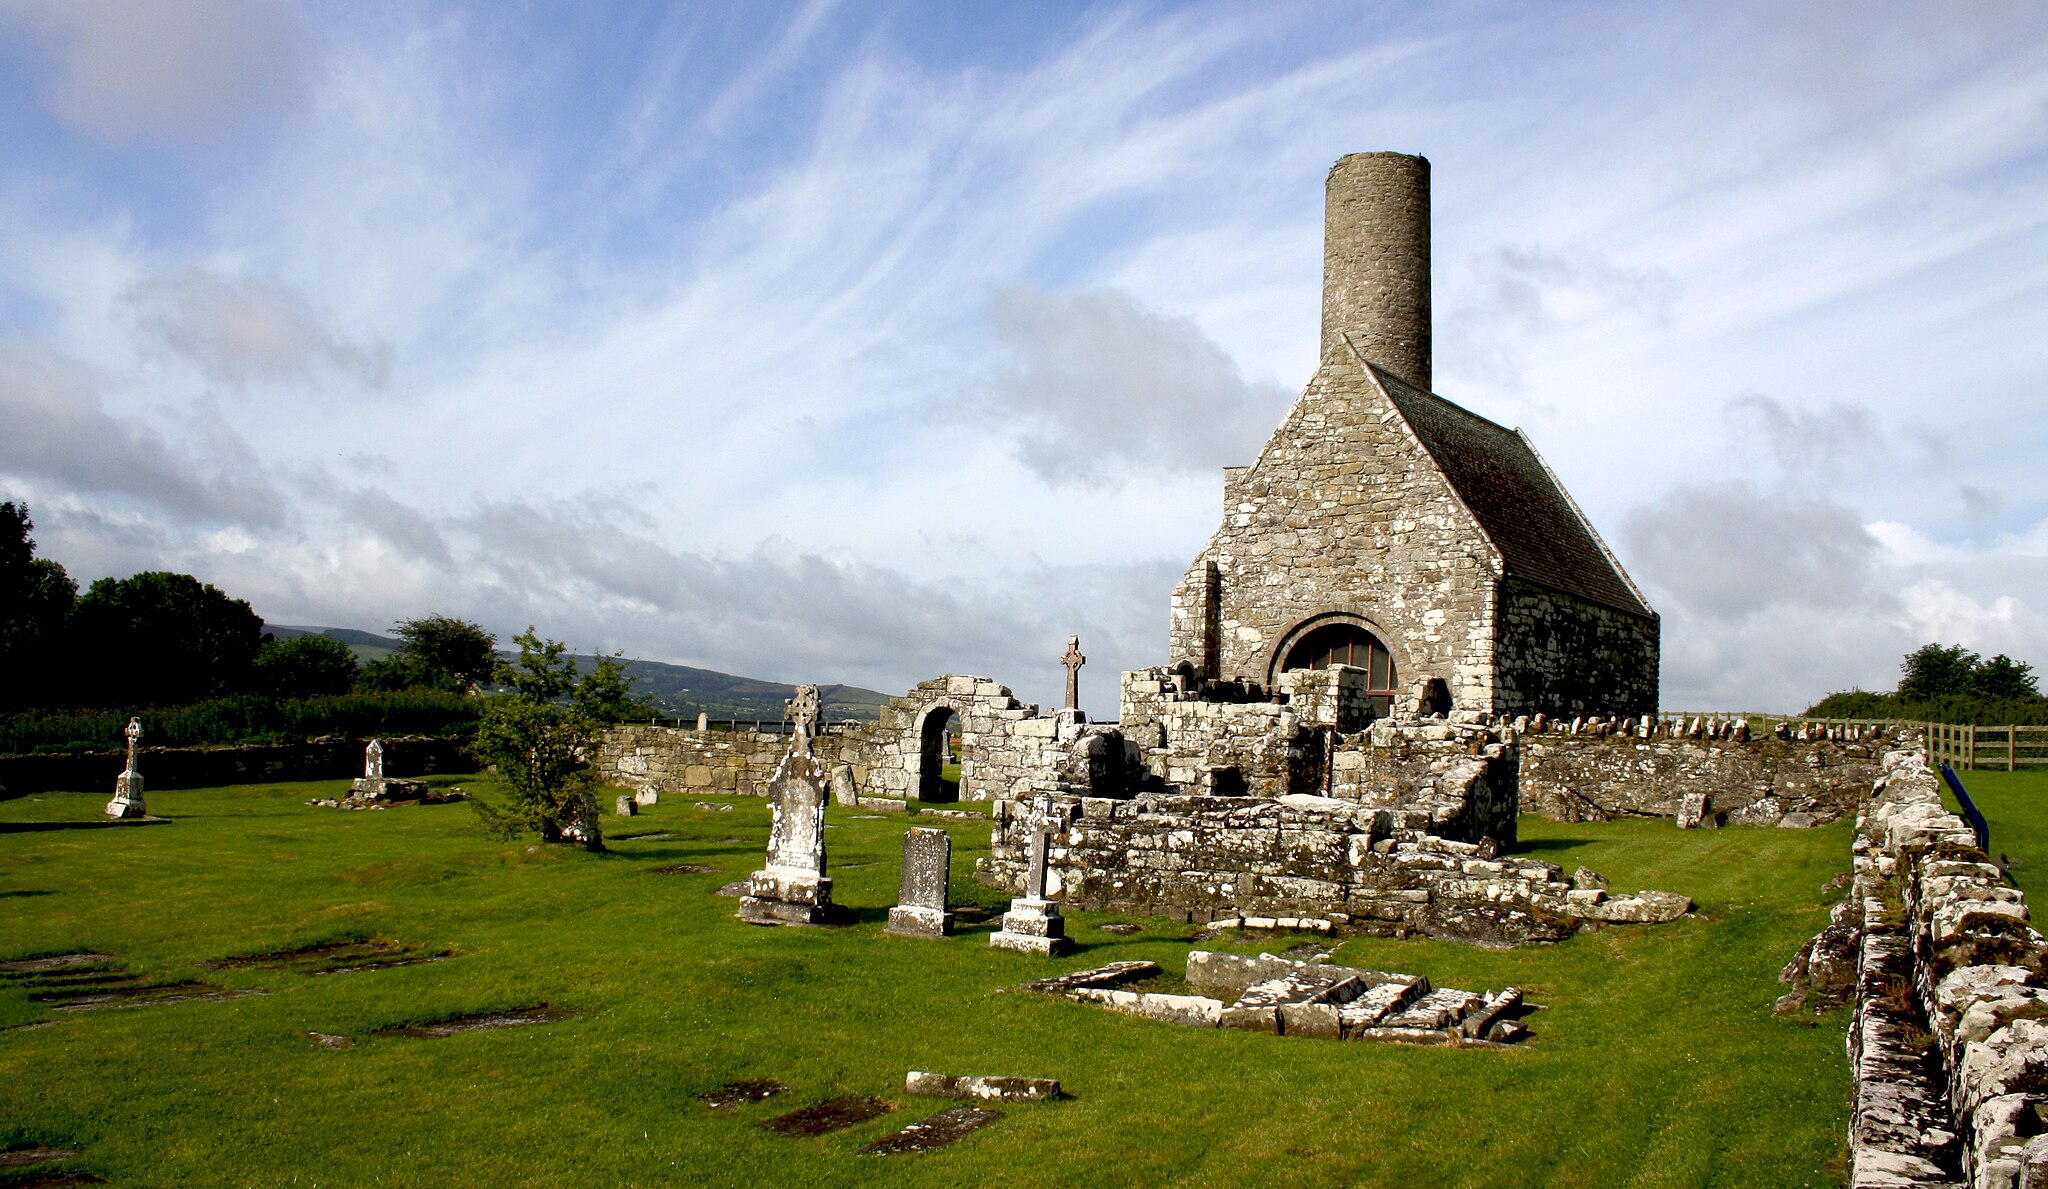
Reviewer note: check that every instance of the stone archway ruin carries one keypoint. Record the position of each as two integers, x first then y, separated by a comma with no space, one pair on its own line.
985,711
934,747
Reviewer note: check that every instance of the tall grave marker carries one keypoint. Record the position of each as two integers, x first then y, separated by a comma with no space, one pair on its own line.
927,867
127,800
1034,924
793,888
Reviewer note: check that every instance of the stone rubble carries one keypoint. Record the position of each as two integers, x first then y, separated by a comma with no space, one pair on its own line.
1308,999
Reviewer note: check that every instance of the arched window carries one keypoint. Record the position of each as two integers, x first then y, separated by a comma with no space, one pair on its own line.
1348,644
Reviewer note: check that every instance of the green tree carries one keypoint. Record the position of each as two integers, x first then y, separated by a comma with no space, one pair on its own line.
606,693
436,652
161,639
305,667
538,738
1934,671
2003,678
36,596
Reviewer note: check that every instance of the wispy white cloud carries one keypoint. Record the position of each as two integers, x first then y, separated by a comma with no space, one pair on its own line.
708,325
189,70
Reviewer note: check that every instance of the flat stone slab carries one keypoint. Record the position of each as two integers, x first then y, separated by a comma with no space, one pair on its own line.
829,1115
741,1093
1123,928
929,1134
55,962
329,1040
30,1155
518,1017
981,1086
687,869
1114,974
1302,999
334,957
147,995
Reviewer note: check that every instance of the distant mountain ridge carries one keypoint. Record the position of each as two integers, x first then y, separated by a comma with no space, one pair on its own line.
679,690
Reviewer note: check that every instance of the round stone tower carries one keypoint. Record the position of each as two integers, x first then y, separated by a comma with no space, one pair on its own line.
1376,261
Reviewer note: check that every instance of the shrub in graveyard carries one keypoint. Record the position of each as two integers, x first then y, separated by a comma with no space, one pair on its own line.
537,736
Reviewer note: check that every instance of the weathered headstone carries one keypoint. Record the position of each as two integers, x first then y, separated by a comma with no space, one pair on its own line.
703,722
927,866
844,791
1034,924
626,806
1696,812
373,785
793,888
127,800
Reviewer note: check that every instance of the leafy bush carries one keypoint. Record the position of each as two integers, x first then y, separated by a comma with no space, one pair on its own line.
305,666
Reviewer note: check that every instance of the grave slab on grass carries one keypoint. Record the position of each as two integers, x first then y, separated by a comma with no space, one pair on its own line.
982,1086
741,1093
942,1130
518,1017
1305,999
829,1115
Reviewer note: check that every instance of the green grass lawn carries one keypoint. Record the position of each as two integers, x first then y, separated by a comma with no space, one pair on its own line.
1655,1062
2015,806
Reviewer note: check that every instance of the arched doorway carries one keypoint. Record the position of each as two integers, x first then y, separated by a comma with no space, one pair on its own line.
938,772
1343,642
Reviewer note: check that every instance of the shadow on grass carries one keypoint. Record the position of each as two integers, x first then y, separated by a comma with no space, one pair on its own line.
22,892
1530,845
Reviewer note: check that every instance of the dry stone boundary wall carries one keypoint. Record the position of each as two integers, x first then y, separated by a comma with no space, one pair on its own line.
1635,767
1949,1044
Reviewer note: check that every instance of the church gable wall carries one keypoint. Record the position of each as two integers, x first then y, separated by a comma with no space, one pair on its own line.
1346,512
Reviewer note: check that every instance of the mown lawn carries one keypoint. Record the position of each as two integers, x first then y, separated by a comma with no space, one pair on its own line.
1655,1062
2015,806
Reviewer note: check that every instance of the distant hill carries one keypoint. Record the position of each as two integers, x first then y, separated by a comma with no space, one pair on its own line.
680,691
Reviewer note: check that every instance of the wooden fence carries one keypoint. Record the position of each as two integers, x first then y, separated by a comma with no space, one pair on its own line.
1960,745
1963,745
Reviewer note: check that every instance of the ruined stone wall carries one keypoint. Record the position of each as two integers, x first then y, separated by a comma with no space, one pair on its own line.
1363,870
1610,769
1464,777
1194,734
1565,655
1949,1044
741,763
1345,514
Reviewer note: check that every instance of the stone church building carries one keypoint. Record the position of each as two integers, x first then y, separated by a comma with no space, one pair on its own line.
1386,528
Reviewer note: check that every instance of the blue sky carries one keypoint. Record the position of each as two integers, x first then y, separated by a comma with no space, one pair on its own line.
864,342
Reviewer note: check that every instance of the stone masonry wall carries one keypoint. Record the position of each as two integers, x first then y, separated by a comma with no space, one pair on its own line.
1363,870
1565,655
1949,1044
1187,730
1609,768
738,763
1344,513
1376,276
1464,777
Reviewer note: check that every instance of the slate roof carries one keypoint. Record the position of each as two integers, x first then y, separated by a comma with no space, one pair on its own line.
1520,505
